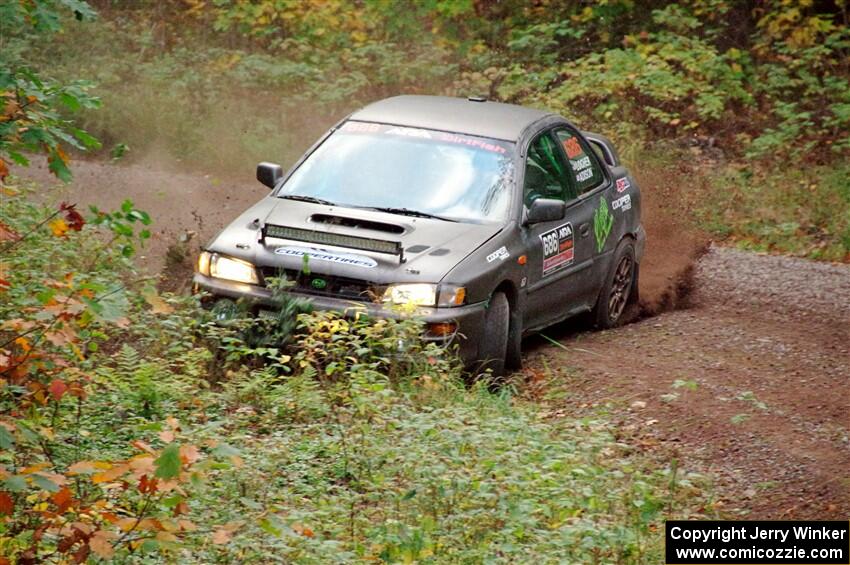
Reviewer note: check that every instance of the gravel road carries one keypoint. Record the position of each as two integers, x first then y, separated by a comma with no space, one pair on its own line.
750,381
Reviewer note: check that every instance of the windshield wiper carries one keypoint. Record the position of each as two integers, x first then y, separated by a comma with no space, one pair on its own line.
312,199
409,212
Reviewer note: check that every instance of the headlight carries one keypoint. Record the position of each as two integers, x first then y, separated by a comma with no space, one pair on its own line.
421,294
416,294
221,267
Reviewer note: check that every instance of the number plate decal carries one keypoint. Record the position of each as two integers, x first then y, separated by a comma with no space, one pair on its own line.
558,251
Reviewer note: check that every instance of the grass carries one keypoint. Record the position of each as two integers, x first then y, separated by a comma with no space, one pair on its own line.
782,210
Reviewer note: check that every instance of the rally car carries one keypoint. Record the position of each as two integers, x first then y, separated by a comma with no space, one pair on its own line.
490,220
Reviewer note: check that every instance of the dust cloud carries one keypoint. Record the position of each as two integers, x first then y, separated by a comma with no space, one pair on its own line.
673,243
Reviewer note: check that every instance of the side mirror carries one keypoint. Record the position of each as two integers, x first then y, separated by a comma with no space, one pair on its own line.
269,174
546,210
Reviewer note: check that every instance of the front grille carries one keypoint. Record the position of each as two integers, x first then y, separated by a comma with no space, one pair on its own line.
325,285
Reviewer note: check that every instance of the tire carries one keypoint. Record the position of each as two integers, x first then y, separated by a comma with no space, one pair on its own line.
513,355
616,292
493,351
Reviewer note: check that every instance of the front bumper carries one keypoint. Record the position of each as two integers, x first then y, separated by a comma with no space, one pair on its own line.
469,318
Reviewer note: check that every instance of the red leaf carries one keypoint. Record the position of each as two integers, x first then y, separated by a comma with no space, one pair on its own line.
62,500
4,285
82,554
57,389
7,505
147,484
73,218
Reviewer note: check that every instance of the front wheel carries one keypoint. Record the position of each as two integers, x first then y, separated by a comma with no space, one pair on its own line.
494,344
616,292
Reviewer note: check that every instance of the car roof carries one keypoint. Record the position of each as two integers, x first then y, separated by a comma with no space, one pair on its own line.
472,116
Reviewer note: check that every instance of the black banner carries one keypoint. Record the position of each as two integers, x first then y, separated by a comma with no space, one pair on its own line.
739,542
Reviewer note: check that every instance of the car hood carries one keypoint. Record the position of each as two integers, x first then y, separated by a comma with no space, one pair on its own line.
431,247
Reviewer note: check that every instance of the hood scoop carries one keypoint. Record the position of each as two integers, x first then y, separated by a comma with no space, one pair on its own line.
356,223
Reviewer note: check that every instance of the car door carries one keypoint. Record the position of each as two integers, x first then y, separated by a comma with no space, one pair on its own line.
559,253
602,209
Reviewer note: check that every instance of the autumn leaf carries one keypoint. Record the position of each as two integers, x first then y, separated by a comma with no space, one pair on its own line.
58,227
57,389
158,305
88,467
73,218
110,474
5,285
142,446
189,454
166,536
34,468
82,468
142,465
146,485
100,545
4,170
303,530
187,525
221,536
7,504
61,337
62,499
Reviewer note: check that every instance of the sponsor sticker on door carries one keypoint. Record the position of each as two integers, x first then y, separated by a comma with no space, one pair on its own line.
558,248
623,203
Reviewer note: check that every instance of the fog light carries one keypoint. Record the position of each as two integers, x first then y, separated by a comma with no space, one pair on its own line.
442,329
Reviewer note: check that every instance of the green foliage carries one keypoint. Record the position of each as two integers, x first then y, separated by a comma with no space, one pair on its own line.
168,463
32,122
31,106
75,448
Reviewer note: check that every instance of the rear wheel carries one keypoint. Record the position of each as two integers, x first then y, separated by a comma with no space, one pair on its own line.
616,292
494,344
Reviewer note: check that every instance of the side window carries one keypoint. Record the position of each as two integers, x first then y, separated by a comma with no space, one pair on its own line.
546,172
584,164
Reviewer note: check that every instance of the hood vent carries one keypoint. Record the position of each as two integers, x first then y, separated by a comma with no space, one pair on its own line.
356,223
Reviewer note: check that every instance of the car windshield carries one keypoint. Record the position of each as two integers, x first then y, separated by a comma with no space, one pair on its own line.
408,171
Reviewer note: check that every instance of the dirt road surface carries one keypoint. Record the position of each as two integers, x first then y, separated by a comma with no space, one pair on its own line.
749,379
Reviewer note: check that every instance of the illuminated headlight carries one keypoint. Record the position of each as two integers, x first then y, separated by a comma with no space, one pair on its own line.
416,294
220,267
421,294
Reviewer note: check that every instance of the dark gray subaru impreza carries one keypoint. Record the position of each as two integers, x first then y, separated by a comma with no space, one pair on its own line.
493,220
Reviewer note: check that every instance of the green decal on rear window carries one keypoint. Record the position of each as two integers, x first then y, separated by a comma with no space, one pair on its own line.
603,221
